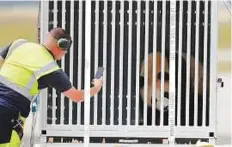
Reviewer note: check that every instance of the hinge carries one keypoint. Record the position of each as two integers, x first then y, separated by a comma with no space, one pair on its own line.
220,82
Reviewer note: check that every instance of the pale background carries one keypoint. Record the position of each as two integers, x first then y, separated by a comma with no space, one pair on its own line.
19,20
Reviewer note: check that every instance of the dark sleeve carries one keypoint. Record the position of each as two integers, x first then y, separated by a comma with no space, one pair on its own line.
57,79
4,51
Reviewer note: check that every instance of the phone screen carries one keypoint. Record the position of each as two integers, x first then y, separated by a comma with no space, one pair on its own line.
99,73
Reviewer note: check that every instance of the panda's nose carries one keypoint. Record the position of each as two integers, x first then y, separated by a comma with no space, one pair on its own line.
166,108
166,95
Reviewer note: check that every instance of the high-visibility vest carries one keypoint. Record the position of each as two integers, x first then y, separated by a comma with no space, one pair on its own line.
25,63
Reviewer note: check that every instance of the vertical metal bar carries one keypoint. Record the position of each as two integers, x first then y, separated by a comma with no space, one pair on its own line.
129,63
163,61
180,63
196,63
154,63
112,63
54,95
80,58
44,9
62,63
121,60
43,20
205,61
188,60
96,56
104,62
87,71
71,57
213,67
55,10
172,72
137,62
146,63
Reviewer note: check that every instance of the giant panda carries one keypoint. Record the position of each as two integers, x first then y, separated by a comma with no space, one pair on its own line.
157,74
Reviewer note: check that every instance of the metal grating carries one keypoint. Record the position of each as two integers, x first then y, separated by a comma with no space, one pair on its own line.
124,34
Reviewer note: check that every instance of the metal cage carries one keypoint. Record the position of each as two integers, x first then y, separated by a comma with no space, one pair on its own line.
122,36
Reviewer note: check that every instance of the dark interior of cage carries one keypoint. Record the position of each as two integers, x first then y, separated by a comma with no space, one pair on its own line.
135,49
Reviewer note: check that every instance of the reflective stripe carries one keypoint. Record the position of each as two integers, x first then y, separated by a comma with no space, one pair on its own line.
23,91
26,91
5,145
45,68
14,46
38,72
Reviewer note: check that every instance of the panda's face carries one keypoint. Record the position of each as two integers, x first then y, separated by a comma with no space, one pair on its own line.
157,75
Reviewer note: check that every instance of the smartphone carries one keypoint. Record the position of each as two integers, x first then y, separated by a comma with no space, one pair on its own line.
99,73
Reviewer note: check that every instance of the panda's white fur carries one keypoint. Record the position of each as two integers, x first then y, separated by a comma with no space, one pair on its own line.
158,81
166,83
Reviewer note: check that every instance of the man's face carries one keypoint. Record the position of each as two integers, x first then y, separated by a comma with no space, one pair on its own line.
55,49
59,53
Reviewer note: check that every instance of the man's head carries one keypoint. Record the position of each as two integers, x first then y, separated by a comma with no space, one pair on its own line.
58,41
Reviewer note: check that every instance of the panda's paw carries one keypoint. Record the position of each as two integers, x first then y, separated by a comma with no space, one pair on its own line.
165,104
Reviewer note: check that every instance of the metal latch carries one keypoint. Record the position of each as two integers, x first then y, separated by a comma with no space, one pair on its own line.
219,81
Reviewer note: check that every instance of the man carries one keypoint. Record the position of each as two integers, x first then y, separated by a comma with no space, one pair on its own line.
27,67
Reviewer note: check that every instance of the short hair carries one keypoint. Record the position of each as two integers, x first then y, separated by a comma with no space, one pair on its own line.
58,33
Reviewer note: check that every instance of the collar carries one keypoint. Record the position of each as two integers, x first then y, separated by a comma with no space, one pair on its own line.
49,51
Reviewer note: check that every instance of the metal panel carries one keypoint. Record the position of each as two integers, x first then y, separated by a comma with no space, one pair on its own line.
54,107
43,30
121,62
106,145
104,61
71,57
96,56
154,63
188,61
162,62
62,62
146,62
80,48
180,63
87,74
112,97
172,87
137,63
129,63
122,37
213,67
205,62
196,76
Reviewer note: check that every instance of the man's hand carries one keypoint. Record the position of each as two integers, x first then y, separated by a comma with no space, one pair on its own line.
97,82
78,95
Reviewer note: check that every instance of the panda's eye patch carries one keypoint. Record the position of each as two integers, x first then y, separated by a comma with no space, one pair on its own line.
141,82
166,76
159,76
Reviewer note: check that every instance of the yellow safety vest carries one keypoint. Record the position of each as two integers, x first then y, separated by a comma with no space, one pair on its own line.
25,63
